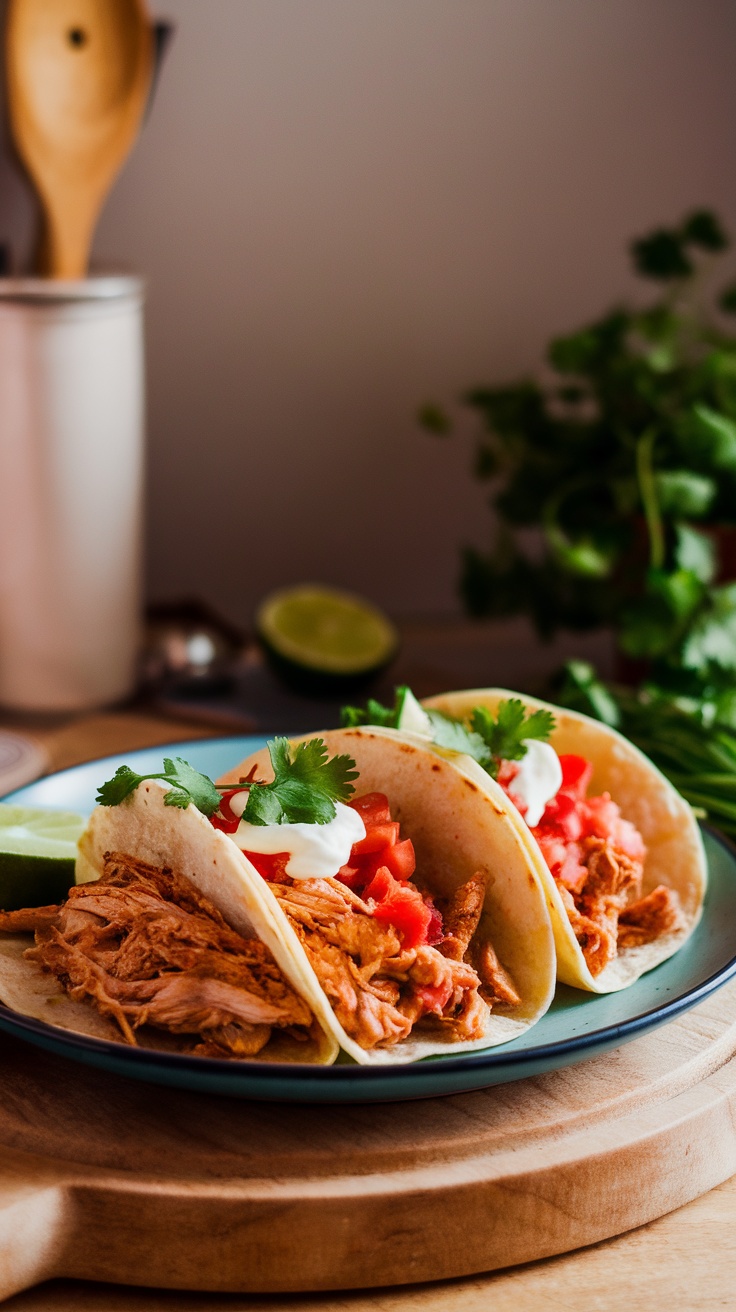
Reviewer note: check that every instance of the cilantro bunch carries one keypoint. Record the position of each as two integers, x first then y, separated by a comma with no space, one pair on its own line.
305,787
625,461
686,742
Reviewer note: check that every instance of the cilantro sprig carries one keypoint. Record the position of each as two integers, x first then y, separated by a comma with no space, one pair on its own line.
305,787
505,735
185,785
387,717
456,737
488,739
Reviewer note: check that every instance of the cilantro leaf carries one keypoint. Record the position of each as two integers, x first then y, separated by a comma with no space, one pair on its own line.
305,786
504,736
455,737
185,785
115,790
711,641
351,717
188,785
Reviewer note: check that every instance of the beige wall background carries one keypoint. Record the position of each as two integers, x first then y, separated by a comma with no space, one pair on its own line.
344,207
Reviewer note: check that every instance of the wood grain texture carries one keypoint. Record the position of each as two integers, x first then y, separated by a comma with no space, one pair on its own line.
685,1260
105,1179
70,741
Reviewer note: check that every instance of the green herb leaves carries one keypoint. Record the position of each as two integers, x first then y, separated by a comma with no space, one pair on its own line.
487,740
505,735
305,787
455,737
375,713
304,790
186,785
625,465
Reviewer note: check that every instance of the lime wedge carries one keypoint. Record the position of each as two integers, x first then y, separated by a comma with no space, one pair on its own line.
38,851
325,631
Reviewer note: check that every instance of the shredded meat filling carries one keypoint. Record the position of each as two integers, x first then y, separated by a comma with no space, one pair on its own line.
148,949
608,912
461,917
658,913
378,989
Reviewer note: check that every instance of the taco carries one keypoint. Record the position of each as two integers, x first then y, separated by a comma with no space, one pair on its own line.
166,944
616,847
429,932
297,927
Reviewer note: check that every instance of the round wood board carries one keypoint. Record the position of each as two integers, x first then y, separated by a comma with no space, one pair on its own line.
103,1178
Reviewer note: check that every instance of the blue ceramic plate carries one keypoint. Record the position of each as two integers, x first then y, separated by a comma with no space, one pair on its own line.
578,1025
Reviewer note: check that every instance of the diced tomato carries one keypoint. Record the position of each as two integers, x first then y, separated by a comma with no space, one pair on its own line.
377,836
576,774
434,997
400,905
370,865
373,807
602,819
401,859
226,826
271,865
507,772
563,815
380,886
571,817
572,873
600,815
436,930
398,859
351,876
226,820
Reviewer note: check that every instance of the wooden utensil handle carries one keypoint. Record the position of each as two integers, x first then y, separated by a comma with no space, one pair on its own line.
64,246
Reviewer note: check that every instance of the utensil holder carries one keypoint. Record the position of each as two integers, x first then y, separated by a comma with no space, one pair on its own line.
71,482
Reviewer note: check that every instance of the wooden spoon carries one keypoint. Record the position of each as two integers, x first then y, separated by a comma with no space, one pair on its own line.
78,75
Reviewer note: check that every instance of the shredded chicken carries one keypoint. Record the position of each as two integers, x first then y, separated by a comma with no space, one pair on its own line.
148,949
378,989
461,917
605,914
498,985
658,913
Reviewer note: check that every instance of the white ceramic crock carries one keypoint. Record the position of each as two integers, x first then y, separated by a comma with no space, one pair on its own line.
71,479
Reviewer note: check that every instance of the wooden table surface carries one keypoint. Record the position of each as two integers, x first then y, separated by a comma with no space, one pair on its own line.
683,1261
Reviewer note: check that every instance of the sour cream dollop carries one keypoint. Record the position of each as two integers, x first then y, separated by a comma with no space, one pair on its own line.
538,780
315,851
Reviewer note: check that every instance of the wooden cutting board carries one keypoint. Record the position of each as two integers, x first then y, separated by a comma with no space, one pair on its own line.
103,1178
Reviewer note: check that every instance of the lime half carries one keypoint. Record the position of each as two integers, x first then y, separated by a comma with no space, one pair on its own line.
38,851
326,632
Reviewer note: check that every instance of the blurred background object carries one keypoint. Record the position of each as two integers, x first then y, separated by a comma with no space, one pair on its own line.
71,476
21,759
623,462
187,641
343,209
71,365
323,640
78,79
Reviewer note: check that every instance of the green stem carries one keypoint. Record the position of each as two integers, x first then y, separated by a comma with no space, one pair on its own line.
648,493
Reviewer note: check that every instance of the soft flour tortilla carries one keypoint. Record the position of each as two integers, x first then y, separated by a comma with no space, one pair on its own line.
144,828
675,854
457,830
